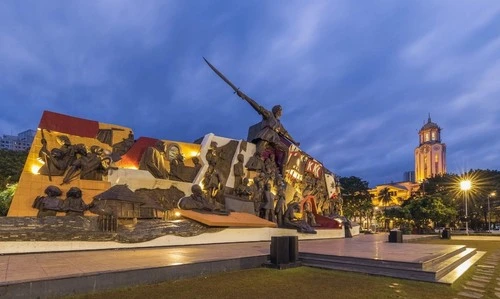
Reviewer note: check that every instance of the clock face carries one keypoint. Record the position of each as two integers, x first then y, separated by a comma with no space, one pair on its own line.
436,148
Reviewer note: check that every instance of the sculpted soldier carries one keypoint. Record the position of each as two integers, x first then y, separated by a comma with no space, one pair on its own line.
57,160
267,205
177,168
280,208
197,167
255,162
238,171
153,160
50,204
307,214
196,201
92,166
290,221
74,205
271,129
244,190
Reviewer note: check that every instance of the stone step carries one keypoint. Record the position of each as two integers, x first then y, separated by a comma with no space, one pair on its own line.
460,269
432,263
446,266
431,271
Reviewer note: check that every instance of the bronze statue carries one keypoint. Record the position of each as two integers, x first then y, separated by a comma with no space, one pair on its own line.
197,167
197,202
92,166
177,168
74,205
57,160
238,171
50,204
257,193
244,190
307,214
280,208
290,221
267,205
255,162
153,160
271,128
213,182
122,147
212,155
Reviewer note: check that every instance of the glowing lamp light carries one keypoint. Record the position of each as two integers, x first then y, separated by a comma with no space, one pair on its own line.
177,214
35,168
465,185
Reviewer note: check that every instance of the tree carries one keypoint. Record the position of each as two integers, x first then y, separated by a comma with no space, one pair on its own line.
357,200
385,197
484,183
11,166
428,208
6,198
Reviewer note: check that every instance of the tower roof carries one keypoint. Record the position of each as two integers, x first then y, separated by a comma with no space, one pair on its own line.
429,124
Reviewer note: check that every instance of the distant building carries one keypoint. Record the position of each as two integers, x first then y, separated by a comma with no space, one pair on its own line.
430,155
430,160
19,142
409,176
399,191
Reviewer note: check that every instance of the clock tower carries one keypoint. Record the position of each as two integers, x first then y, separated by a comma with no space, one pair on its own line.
430,155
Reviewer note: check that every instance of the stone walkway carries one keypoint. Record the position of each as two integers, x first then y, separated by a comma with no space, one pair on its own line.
485,274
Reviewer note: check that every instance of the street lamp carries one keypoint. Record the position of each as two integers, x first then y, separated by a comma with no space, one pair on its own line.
465,186
489,213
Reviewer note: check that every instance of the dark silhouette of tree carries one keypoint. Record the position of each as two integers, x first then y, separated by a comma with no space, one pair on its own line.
357,200
6,198
384,196
11,166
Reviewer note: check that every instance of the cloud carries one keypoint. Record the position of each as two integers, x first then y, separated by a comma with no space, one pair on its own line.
355,81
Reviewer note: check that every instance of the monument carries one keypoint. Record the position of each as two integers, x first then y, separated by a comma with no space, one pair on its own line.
107,174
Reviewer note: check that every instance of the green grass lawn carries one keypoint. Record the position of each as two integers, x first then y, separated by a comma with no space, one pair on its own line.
302,282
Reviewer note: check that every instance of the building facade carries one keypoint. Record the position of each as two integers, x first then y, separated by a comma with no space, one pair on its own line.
430,154
19,142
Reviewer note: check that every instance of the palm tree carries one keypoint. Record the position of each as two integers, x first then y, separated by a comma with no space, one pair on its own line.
384,196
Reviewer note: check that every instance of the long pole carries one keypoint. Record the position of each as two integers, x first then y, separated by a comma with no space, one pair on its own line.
489,215
466,214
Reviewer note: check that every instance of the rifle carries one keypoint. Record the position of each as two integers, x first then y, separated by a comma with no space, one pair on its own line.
45,152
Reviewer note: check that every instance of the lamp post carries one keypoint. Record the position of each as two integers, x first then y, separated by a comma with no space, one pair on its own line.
489,213
465,186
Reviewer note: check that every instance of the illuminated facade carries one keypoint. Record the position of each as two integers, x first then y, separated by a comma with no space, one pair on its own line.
430,155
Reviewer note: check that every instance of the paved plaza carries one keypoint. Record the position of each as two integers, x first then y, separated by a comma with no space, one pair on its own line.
45,274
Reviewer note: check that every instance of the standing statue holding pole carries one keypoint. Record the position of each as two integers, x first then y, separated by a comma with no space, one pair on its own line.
271,131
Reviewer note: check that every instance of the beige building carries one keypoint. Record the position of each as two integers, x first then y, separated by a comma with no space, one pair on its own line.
399,191
430,155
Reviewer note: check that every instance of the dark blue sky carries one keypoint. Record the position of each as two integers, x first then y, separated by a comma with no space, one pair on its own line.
356,79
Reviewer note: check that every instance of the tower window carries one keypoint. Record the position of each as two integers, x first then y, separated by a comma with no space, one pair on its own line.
433,136
426,136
